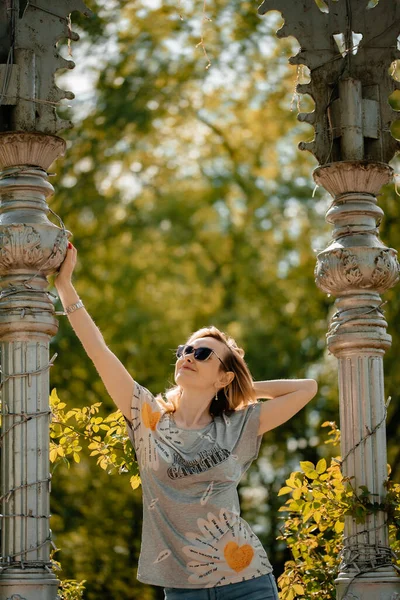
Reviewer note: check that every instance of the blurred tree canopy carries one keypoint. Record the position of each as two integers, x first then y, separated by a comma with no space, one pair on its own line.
190,204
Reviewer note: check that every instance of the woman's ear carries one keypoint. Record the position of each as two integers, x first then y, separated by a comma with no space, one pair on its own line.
227,378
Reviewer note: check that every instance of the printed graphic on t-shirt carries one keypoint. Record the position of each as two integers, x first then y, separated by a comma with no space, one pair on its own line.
225,550
162,556
207,494
146,415
203,461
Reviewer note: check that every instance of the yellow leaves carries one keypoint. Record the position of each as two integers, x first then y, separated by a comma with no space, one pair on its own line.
296,494
105,437
285,490
309,469
103,463
320,498
339,526
334,433
317,516
135,481
298,589
53,454
290,590
54,399
70,589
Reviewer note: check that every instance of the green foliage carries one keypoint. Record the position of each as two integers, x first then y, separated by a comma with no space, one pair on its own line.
107,440
105,437
320,499
71,590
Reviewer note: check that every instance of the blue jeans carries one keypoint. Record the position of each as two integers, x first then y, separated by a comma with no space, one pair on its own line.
260,588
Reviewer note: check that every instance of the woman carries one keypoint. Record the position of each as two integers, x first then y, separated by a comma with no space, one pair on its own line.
193,446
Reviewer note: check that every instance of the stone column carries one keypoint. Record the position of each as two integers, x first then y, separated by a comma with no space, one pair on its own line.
31,248
350,84
357,267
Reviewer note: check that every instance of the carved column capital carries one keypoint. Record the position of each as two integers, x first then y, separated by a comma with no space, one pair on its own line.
23,148
356,266
31,249
346,176
24,247
342,270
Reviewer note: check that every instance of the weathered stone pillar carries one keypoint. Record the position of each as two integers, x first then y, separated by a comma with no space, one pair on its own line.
356,268
348,48
31,248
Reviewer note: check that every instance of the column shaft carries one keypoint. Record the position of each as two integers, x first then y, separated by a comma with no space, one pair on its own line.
363,412
356,267
25,487
31,248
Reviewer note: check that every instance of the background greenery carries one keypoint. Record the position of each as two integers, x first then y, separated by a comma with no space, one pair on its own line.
190,204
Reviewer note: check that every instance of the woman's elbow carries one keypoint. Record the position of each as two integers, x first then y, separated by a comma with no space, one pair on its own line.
312,388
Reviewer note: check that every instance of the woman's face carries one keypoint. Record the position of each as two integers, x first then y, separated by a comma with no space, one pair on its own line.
190,372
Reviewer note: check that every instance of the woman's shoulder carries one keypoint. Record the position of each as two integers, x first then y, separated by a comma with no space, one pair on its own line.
242,409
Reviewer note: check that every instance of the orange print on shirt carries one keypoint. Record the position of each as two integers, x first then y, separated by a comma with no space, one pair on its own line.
150,418
238,557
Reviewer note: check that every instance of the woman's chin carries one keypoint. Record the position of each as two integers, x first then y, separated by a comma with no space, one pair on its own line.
183,373
179,378
184,376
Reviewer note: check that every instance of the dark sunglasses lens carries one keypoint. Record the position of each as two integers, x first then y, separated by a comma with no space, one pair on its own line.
179,351
182,350
202,353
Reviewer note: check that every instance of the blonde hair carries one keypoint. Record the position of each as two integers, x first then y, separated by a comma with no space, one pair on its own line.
237,394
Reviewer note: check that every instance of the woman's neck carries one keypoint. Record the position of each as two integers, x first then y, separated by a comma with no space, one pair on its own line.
193,409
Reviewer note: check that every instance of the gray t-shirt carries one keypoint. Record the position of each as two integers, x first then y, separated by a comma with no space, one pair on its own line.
193,535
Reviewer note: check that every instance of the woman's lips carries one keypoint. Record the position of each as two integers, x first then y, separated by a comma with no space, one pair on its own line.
187,368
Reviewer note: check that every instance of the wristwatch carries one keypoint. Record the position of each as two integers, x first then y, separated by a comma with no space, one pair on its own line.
72,307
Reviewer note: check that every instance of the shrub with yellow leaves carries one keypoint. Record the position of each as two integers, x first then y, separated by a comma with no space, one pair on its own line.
107,440
105,437
320,498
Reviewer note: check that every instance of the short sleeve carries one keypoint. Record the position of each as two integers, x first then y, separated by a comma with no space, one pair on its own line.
244,425
144,410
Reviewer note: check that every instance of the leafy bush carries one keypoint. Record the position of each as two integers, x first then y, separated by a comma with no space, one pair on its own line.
320,497
105,437
71,590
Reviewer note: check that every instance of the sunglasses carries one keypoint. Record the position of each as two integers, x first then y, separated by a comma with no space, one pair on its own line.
201,354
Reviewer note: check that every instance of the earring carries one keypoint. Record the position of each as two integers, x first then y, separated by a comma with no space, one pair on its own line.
216,396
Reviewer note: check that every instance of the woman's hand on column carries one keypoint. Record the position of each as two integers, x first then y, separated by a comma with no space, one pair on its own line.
67,267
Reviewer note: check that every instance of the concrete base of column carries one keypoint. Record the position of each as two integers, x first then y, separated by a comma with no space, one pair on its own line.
28,585
382,584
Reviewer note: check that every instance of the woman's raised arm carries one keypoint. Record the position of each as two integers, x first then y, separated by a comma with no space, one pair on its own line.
287,397
118,382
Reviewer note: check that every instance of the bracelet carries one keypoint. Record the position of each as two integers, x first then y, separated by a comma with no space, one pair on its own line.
72,307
